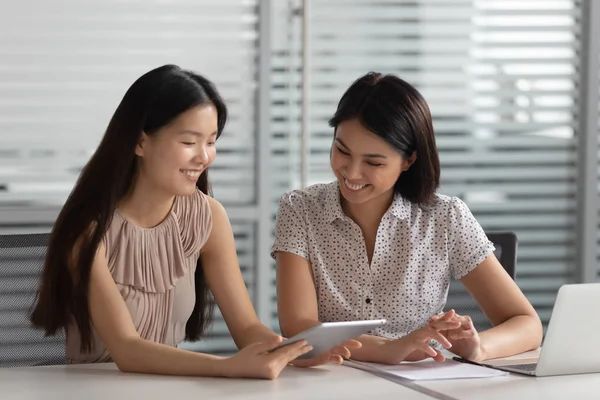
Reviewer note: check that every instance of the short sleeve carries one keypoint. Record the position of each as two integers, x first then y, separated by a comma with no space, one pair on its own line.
291,230
468,243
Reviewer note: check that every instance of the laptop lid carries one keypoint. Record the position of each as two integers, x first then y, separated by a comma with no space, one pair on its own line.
571,342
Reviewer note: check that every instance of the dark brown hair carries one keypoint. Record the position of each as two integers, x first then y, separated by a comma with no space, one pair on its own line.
154,100
395,111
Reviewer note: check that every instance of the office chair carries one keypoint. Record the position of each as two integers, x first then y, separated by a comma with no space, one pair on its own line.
21,261
461,300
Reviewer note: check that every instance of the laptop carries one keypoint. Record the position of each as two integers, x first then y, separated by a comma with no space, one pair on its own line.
571,342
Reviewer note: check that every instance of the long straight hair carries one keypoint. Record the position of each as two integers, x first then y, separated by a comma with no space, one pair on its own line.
154,100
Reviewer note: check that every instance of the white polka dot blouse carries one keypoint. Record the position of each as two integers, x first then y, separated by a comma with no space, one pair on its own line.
417,250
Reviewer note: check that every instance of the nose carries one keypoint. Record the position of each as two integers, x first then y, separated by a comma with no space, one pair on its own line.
353,170
202,156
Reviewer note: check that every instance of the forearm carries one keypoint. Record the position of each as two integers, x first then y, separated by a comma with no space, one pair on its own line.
516,335
381,350
143,356
255,333
291,328
373,350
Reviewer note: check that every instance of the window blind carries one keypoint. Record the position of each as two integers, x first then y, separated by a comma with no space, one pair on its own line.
501,81
65,67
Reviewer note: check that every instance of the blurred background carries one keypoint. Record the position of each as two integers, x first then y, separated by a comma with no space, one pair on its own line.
513,87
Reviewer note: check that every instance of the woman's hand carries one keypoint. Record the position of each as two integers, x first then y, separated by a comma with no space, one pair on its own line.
256,361
415,346
464,338
333,356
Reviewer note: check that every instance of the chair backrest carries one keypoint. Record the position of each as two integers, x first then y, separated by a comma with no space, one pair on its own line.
462,301
506,250
21,262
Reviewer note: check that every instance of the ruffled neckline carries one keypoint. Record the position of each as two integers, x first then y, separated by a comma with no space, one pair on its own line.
157,227
153,259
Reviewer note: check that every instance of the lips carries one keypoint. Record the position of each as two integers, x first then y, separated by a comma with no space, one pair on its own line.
191,173
352,186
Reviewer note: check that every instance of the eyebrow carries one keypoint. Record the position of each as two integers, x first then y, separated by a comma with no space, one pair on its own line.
370,155
196,133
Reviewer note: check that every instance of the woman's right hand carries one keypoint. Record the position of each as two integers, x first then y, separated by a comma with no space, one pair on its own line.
415,346
255,360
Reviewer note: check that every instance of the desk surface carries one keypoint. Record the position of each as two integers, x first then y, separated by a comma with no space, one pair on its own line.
104,381
515,386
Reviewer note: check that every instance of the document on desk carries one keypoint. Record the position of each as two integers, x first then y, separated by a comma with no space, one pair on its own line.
427,370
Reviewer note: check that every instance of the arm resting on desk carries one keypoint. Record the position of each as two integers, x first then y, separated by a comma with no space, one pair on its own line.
517,335
224,277
517,327
130,352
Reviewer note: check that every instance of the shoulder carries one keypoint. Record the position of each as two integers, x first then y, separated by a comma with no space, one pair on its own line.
453,213
220,219
196,218
447,207
221,239
313,199
444,212
216,209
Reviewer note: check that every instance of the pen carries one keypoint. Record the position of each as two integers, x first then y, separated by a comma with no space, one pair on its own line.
462,360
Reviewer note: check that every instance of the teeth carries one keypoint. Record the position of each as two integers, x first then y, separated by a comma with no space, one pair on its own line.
353,187
191,174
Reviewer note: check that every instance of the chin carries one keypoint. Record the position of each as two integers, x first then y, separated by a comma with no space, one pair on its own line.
355,198
184,190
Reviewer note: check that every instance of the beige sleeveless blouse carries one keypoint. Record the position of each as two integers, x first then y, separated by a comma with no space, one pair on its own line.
154,271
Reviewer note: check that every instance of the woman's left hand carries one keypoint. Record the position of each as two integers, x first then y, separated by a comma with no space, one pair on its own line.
333,356
465,339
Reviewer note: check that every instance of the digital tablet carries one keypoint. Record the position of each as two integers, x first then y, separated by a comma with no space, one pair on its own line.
328,335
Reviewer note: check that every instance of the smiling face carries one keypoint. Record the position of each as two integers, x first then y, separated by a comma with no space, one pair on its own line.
173,158
364,164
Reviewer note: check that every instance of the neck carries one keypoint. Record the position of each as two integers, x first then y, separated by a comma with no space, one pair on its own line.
146,206
368,214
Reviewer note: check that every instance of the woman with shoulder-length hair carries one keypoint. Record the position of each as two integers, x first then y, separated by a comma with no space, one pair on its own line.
140,241
379,242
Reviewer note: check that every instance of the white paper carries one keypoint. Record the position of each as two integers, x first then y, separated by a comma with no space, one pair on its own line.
428,370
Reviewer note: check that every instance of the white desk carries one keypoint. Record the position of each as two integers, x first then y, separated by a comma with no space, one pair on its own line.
512,387
516,387
104,381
